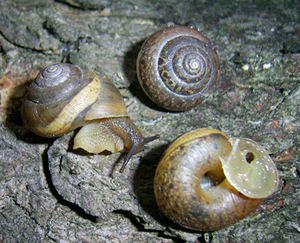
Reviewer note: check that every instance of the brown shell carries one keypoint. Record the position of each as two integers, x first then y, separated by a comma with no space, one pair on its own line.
190,186
64,96
176,66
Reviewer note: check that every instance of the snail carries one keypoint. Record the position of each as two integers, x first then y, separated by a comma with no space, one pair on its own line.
206,181
64,97
176,67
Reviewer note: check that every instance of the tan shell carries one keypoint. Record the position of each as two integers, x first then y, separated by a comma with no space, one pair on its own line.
192,189
65,96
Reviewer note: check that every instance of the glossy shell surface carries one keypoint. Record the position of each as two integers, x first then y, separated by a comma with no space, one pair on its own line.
176,67
65,96
192,189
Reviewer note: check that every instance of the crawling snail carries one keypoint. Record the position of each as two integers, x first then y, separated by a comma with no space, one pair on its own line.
206,181
64,97
176,67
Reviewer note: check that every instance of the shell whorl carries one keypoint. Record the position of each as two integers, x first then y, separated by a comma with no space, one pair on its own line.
176,66
61,81
206,180
65,96
54,75
187,199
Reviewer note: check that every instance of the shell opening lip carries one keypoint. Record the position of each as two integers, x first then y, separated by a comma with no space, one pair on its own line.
250,169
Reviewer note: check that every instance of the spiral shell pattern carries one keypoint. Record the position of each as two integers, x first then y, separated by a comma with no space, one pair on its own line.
64,97
61,81
206,181
57,100
176,66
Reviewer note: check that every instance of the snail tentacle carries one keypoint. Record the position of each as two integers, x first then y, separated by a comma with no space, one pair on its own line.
64,97
134,147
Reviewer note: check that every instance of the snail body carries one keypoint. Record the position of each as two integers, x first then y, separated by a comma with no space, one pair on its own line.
176,67
206,181
64,97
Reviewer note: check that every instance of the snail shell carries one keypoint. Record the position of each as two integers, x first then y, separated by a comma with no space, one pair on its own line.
206,181
176,66
64,97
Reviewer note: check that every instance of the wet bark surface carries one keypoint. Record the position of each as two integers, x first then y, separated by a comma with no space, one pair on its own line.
51,193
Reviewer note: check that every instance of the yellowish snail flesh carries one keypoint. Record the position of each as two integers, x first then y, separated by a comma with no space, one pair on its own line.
64,97
206,181
176,67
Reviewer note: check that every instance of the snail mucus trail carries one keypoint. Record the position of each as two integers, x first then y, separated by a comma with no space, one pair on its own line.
64,97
